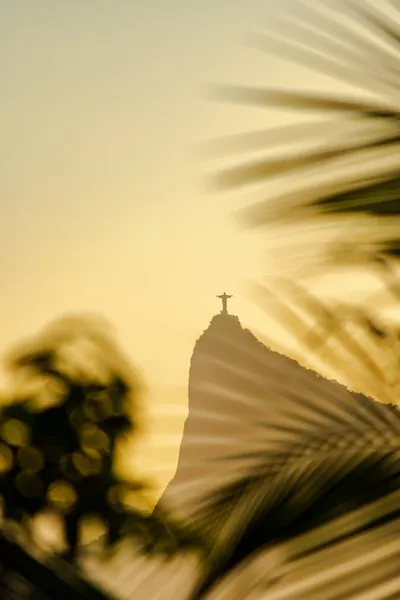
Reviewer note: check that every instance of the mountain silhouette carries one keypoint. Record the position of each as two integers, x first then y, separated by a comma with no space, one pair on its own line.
262,422
246,400
222,355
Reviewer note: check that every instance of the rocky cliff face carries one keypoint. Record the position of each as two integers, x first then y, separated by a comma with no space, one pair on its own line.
248,402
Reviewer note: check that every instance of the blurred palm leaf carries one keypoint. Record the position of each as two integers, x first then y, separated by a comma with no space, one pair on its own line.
328,478
360,173
330,455
322,484
24,577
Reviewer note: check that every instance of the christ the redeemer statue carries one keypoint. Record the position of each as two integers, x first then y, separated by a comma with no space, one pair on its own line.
224,297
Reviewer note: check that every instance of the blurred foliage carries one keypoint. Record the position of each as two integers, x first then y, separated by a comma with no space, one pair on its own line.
341,164
339,456
61,454
58,446
339,170
24,577
352,344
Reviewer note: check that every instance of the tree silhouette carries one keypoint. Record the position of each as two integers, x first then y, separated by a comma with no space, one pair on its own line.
58,444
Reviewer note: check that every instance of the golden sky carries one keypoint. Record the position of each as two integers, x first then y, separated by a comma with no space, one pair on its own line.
104,201
103,184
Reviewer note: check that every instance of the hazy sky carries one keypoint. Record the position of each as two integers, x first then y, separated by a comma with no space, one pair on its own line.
104,202
103,188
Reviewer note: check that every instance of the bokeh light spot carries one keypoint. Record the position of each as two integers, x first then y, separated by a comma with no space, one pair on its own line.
15,432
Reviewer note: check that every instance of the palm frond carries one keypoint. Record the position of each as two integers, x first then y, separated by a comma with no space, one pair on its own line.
311,458
358,43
